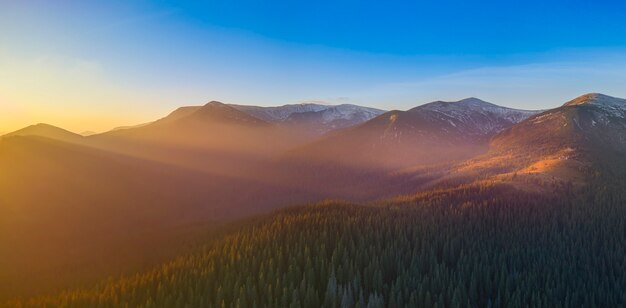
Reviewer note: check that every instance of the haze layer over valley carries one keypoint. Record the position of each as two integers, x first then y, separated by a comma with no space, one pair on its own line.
129,198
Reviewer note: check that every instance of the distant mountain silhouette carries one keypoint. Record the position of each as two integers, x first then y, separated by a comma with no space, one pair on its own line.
191,118
47,131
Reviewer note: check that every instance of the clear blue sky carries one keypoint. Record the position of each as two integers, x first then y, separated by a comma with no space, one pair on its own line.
118,62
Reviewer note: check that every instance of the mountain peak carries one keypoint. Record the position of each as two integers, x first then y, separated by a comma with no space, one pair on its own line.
472,100
39,127
45,130
214,103
214,106
596,99
217,111
43,126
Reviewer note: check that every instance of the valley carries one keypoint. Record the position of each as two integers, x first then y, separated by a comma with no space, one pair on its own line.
185,207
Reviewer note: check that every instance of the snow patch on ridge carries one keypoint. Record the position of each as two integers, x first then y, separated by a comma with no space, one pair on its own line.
474,113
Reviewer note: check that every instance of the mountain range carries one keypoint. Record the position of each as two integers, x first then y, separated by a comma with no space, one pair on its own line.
432,133
139,190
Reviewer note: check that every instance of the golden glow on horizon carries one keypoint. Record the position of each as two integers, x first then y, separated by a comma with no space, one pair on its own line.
72,94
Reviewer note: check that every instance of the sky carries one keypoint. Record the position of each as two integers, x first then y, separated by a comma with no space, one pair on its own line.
94,65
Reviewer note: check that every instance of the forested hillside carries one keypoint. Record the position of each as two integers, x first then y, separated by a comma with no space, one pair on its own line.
487,245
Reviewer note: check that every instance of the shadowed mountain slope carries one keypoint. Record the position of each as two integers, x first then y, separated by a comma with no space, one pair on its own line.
215,137
433,133
76,212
